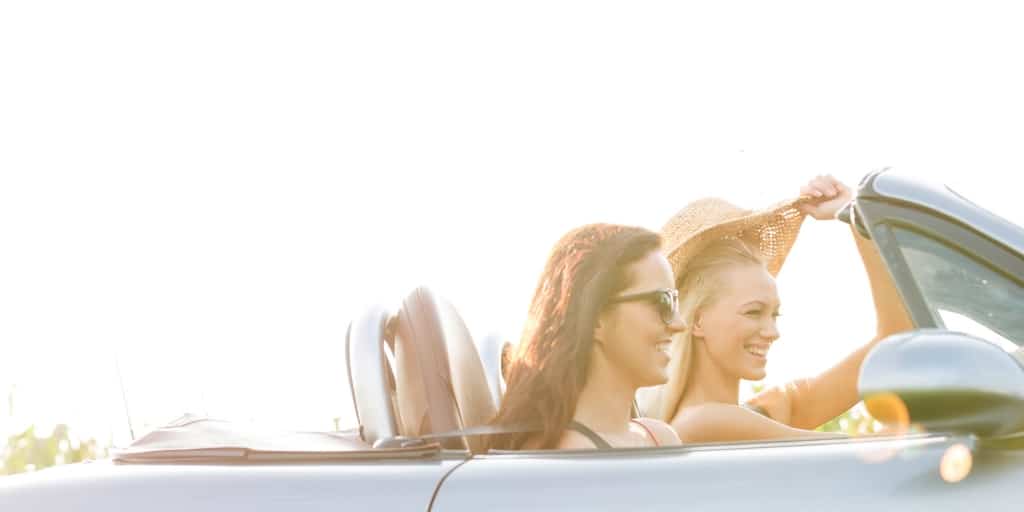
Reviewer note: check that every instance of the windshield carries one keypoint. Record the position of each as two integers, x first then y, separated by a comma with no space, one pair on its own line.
962,292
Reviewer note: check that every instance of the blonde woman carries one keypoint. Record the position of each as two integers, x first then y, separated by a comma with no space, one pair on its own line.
725,260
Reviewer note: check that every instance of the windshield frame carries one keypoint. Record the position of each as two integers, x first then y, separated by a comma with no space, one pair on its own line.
971,242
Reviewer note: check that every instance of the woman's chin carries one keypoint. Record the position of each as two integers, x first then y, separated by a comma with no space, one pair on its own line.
755,374
655,378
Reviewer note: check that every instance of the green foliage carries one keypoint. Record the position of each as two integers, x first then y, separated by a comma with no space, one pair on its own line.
854,422
27,451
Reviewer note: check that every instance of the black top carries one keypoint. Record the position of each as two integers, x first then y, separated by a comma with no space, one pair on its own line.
598,441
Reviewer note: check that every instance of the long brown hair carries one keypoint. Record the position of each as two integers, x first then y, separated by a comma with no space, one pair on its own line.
585,268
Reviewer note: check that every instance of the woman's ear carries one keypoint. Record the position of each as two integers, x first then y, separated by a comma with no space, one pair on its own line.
698,324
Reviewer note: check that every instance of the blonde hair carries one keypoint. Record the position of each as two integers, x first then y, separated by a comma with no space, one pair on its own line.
699,283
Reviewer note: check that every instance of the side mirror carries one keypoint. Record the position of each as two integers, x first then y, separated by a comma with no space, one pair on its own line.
945,382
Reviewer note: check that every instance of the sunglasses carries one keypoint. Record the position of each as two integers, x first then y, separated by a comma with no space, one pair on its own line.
665,300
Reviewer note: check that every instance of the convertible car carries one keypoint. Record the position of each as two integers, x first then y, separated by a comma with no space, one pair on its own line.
951,392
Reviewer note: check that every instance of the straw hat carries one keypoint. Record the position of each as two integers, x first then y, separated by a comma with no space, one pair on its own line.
771,230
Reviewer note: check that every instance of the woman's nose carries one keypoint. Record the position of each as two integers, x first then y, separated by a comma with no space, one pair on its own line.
771,330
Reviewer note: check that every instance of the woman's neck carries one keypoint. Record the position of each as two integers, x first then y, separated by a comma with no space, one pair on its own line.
606,400
708,382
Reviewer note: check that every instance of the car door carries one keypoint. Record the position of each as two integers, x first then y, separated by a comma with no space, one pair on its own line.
892,472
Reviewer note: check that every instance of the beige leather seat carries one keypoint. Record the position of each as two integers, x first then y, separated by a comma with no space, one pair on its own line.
440,382
416,372
371,379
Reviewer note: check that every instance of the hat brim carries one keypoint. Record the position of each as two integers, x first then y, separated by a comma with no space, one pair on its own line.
772,230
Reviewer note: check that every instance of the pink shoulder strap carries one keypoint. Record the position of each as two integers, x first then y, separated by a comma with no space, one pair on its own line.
648,430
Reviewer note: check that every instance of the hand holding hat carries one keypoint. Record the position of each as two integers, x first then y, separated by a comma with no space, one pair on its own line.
824,197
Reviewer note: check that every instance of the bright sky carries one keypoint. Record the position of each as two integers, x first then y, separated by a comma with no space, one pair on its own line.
207,191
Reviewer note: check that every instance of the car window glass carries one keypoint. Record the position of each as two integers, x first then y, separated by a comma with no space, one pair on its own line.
961,323
962,292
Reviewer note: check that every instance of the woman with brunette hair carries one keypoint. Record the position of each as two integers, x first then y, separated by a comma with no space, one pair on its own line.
599,328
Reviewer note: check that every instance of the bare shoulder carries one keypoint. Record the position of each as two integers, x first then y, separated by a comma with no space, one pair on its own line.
663,432
707,410
572,440
695,423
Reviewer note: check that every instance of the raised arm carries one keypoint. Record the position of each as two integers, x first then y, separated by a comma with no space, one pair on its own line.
807,403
